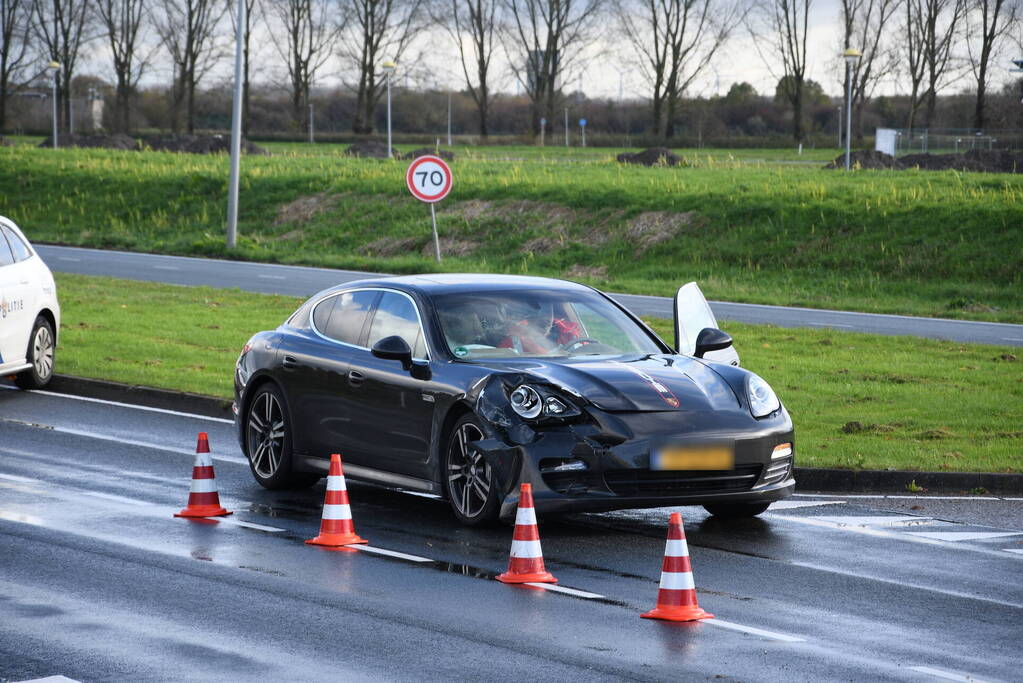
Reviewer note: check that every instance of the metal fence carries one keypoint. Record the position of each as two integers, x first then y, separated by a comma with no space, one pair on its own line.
955,141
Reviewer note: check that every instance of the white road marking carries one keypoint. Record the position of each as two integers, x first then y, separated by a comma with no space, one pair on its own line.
270,277
792,504
248,525
945,675
391,553
770,635
119,499
893,535
1012,339
964,535
23,480
567,591
129,442
166,268
882,496
165,411
876,520
21,518
1013,550
51,679
828,325
68,258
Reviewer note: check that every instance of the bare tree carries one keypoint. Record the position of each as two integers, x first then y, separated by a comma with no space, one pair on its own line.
931,30
866,27
187,30
14,22
475,22
782,24
61,27
675,40
121,21
304,34
253,12
545,38
992,19
377,30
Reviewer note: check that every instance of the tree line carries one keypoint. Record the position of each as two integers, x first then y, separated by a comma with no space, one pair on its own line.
929,45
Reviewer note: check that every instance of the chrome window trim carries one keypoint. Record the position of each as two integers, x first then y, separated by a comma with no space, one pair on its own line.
415,307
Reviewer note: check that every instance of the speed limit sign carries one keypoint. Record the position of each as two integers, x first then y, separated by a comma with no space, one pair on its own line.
428,179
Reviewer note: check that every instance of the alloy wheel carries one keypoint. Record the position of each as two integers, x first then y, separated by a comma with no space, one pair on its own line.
469,475
266,434
42,352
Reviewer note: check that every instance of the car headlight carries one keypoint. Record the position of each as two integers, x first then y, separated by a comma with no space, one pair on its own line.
762,399
531,403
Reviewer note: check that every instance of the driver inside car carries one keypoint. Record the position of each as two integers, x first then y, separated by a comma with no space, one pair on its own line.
534,329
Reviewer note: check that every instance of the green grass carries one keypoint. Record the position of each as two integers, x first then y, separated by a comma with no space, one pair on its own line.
940,244
858,400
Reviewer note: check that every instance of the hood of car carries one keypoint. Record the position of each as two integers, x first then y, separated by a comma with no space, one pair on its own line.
647,383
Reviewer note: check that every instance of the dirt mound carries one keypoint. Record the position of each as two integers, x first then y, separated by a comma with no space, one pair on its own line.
579,272
868,159
655,156
198,144
390,246
976,160
450,246
367,150
430,151
115,141
651,228
303,209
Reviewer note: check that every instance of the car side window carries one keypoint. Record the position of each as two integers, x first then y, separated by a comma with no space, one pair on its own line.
396,315
322,313
348,317
6,257
18,246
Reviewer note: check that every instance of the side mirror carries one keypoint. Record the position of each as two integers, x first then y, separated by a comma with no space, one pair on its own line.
710,339
396,348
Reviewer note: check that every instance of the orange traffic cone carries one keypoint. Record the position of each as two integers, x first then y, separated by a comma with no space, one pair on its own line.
203,499
676,599
336,528
526,562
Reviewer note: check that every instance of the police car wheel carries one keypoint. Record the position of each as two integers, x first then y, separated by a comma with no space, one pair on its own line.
41,354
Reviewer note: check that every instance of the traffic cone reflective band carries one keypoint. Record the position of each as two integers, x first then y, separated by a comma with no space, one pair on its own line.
676,599
337,528
203,499
526,562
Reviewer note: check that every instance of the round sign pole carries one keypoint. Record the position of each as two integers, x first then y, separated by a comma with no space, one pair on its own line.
429,180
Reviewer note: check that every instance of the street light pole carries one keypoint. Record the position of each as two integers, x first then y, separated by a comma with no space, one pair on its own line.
236,132
389,67
312,136
851,56
449,119
55,67
566,126
839,127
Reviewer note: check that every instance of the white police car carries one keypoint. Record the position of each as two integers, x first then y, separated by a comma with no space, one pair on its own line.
29,312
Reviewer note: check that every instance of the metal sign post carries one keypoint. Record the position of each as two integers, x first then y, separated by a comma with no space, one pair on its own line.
543,129
582,127
429,180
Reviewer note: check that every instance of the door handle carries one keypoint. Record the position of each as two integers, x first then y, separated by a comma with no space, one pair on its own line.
290,362
355,378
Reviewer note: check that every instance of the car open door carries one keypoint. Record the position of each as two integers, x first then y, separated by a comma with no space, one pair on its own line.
693,314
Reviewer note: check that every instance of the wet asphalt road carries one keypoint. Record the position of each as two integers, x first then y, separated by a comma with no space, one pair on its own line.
99,582
304,281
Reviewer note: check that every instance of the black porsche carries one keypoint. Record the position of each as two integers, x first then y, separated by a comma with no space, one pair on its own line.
463,386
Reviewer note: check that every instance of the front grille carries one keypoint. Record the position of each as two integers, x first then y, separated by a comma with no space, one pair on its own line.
655,483
572,482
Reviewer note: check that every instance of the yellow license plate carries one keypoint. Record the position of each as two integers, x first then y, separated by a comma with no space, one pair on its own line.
693,458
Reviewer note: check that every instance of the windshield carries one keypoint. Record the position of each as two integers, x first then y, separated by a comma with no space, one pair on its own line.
514,324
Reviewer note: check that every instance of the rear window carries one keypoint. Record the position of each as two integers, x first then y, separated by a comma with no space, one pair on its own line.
18,246
342,317
6,257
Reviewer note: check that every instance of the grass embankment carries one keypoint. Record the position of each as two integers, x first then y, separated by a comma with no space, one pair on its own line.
858,400
923,243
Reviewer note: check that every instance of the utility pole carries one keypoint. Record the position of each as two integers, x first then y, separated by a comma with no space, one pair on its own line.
449,118
566,126
312,127
236,133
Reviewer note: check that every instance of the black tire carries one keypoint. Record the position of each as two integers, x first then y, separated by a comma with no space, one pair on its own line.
42,348
736,510
468,479
268,442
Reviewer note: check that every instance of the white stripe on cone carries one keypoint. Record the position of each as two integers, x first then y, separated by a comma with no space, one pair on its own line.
677,581
337,511
526,549
203,460
336,482
525,517
676,547
204,486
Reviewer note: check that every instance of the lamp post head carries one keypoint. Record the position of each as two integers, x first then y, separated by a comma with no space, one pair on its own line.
851,56
53,66
389,66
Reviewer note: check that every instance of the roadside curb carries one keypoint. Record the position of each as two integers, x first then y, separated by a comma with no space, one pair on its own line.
900,481
808,479
207,406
